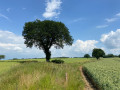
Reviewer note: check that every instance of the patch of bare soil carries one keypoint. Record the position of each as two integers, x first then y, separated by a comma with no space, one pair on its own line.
88,84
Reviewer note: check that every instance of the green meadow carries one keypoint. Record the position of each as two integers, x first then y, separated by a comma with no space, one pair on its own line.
42,75
6,66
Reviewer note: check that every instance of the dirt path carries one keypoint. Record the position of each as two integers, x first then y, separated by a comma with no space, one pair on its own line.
88,85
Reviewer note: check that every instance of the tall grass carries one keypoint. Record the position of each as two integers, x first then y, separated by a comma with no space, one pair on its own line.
5,66
43,76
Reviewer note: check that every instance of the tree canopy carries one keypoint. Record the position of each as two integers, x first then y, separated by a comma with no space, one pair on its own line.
2,57
98,53
86,56
119,55
47,33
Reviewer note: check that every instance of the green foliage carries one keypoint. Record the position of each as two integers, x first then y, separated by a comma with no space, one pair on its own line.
44,34
105,73
86,56
58,61
98,53
109,56
42,76
2,57
119,55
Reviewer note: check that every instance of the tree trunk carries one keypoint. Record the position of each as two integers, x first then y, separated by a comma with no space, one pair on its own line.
48,55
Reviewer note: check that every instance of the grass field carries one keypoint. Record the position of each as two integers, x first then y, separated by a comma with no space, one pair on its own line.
104,73
44,76
5,66
66,60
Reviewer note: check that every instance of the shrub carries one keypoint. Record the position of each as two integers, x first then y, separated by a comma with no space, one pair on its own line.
86,56
58,61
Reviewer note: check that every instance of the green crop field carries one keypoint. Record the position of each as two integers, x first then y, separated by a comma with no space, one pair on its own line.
104,73
42,75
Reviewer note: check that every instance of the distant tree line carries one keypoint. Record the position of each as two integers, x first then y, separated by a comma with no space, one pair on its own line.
109,56
97,53
61,57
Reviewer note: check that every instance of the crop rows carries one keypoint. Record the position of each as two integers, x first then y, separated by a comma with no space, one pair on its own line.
105,74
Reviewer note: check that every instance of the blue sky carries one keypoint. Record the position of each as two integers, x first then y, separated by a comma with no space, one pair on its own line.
92,23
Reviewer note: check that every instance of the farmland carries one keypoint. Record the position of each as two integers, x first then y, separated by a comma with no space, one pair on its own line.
41,75
105,74
44,76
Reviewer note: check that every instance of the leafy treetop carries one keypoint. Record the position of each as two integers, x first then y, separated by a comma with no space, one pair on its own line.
47,33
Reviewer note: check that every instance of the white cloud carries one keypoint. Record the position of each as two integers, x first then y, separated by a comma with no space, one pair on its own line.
13,46
52,8
84,46
78,49
111,51
118,14
102,26
9,37
112,39
18,49
10,41
8,9
3,16
111,19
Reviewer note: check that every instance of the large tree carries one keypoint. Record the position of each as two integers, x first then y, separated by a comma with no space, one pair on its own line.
47,33
98,53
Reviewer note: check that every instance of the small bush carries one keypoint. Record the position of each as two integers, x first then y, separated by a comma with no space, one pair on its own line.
58,61
86,56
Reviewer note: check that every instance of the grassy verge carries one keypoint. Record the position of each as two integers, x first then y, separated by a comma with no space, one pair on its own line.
43,76
5,66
